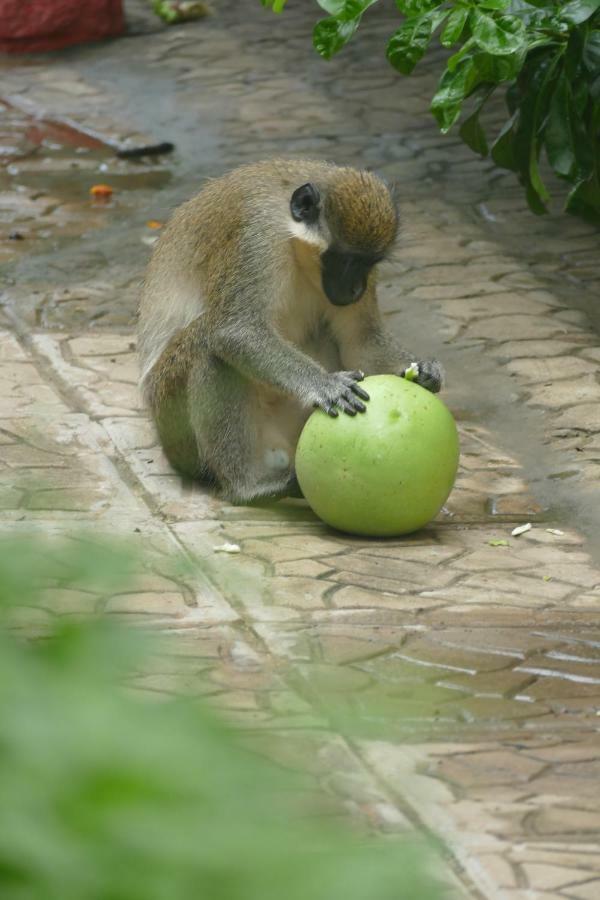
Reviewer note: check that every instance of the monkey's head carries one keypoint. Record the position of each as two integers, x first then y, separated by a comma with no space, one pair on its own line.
354,221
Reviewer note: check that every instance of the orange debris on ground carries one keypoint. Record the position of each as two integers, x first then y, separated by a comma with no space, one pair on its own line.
101,190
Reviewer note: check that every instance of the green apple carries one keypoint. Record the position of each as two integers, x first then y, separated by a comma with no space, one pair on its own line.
384,472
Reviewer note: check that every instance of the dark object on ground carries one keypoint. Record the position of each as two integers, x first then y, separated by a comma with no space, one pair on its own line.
40,25
16,236
148,150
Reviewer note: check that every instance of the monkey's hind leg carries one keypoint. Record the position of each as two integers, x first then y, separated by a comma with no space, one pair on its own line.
223,416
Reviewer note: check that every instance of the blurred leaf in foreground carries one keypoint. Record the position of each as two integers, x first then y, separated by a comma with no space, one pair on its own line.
108,797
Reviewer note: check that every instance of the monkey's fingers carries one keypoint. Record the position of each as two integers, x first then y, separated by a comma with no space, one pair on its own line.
346,407
353,401
351,404
327,407
360,392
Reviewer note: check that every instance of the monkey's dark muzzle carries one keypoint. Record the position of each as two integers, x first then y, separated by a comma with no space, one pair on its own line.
344,276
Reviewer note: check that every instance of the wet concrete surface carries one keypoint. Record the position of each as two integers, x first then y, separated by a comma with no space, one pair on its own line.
471,666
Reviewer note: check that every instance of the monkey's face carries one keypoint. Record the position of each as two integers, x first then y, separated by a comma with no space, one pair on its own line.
355,225
344,275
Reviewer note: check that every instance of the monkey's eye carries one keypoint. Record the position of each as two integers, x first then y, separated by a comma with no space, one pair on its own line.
304,204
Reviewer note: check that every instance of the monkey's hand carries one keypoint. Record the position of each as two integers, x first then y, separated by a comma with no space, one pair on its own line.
428,373
339,391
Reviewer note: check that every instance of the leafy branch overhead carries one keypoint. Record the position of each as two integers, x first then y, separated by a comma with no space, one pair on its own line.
544,53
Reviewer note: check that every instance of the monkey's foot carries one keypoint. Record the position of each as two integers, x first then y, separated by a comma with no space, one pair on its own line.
263,492
293,488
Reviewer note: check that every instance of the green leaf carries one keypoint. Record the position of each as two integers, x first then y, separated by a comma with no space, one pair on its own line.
495,4
591,52
412,8
407,46
580,95
503,152
584,199
497,69
558,134
330,35
537,192
471,130
345,10
454,26
472,133
585,144
275,5
108,795
535,90
457,57
579,10
498,36
453,88
536,205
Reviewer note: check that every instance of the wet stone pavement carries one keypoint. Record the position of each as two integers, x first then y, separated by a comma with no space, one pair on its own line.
444,682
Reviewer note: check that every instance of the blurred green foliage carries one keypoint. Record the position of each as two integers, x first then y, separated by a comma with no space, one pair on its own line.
546,53
107,796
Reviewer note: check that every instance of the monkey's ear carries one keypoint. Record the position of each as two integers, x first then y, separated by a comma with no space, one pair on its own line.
304,204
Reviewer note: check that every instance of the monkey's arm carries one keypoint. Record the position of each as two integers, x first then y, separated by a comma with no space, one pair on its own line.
365,344
258,352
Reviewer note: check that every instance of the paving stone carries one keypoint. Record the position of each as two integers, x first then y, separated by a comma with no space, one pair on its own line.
532,349
579,750
556,396
358,597
517,506
580,823
499,869
289,548
401,573
587,672
548,371
526,588
587,891
164,604
343,648
491,768
467,659
491,558
546,877
516,327
493,684
585,416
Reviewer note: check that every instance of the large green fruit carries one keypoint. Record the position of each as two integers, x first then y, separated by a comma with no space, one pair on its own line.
384,472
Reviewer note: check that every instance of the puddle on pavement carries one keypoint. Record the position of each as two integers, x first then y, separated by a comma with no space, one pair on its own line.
48,218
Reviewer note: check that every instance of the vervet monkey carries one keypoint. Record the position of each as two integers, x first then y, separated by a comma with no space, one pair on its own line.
260,304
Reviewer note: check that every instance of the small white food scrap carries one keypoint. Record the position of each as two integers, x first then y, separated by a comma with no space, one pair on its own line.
228,548
412,372
555,531
521,529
